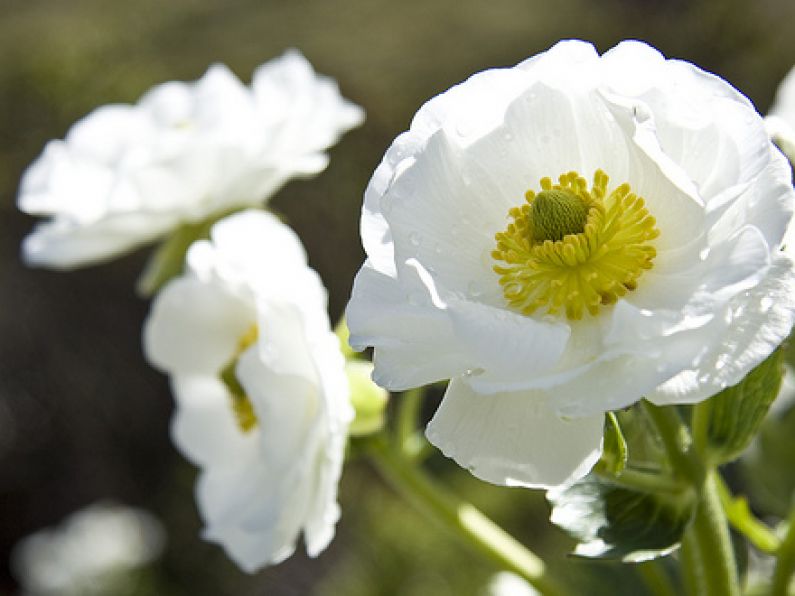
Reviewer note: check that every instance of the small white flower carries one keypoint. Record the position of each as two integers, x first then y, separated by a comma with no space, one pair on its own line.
652,268
127,174
259,381
506,583
88,551
780,121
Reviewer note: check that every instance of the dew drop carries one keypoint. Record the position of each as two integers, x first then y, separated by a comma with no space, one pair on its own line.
508,137
416,299
415,238
474,289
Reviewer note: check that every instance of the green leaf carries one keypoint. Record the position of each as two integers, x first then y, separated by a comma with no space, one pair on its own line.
734,415
614,450
614,522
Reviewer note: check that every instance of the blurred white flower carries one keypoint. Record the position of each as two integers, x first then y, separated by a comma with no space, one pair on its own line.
506,583
88,552
127,174
261,392
780,120
652,269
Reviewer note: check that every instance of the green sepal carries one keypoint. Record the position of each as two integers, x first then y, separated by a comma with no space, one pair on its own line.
344,334
168,259
618,523
368,399
765,466
614,449
734,415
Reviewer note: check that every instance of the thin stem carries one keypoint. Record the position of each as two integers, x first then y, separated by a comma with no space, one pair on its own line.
407,437
690,557
711,532
656,579
461,518
785,565
676,440
707,538
645,481
741,519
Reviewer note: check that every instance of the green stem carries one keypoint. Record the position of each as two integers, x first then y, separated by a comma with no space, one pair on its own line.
677,441
741,519
644,481
656,579
461,518
690,557
711,532
407,437
707,537
785,565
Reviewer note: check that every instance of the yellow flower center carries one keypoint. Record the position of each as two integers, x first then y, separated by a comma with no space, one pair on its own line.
570,249
241,404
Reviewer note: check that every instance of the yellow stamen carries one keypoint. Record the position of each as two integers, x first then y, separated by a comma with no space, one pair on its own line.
241,404
571,250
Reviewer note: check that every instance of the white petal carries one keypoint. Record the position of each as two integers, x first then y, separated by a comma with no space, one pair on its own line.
414,342
204,426
514,439
195,327
758,321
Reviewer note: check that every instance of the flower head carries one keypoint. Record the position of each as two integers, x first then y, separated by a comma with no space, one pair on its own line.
88,552
261,392
127,174
564,237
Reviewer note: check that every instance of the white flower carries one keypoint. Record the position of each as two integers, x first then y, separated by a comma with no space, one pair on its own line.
589,298
88,551
506,583
260,386
780,121
127,174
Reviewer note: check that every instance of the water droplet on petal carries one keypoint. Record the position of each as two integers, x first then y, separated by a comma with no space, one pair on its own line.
416,299
474,289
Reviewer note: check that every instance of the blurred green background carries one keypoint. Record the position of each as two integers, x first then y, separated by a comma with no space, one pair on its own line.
83,418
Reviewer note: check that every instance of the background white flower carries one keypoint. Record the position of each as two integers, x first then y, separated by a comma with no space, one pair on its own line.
699,305
87,552
506,583
780,120
127,174
259,381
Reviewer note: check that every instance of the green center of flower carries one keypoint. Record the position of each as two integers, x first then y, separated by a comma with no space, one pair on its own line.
241,404
571,249
557,213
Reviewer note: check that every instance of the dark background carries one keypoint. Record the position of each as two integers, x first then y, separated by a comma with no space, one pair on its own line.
83,418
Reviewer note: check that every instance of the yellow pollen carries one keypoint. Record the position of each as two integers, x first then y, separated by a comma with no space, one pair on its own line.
570,249
241,404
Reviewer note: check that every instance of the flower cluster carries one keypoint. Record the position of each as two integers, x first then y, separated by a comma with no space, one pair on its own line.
565,237
127,174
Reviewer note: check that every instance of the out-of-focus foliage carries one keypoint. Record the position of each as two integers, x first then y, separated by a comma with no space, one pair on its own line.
83,418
